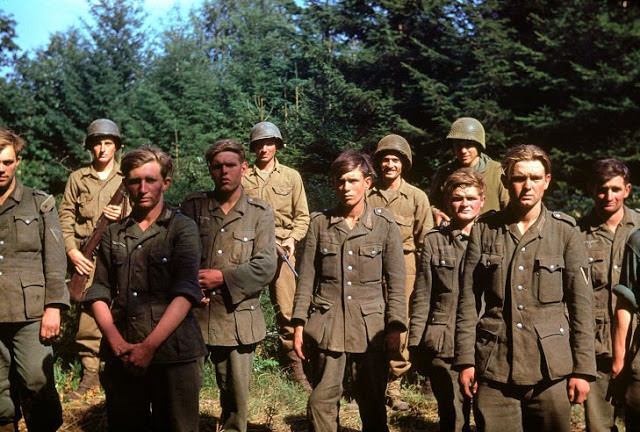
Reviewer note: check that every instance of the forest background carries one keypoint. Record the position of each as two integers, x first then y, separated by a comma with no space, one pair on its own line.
333,75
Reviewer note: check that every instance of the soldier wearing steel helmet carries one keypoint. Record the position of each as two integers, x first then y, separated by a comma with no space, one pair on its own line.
412,212
281,187
86,197
468,139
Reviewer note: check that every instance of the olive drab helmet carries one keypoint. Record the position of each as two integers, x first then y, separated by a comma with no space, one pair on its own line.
264,130
467,128
394,143
103,127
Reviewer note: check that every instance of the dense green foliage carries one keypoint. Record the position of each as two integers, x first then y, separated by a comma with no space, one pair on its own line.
334,74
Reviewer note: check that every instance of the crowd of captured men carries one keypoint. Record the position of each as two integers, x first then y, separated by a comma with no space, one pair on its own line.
513,311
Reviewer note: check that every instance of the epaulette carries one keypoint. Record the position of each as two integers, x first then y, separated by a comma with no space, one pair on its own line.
196,195
436,230
563,217
257,202
49,202
383,212
485,215
318,213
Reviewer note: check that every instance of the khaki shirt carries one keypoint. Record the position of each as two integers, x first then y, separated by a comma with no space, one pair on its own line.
340,298
85,195
32,259
411,210
435,299
241,244
537,322
496,195
605,251
284,192
140,272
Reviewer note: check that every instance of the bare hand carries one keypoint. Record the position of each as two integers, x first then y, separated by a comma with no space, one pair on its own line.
289,246
298,340
141,355
82,264
577,390
617,366
468,381
440,217
50,324
392,341
210,279
112,212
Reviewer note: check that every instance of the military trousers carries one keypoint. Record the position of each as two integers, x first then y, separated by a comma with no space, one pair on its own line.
399,364
632,407
282,290
598,412
163,398
233,373
454,408
543,407
26,378
367,371
88,338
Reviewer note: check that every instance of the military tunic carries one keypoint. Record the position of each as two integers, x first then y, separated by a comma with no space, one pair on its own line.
537,327
605,251
32,271
284,191
433,321
138,274
341,304
241,244
496,195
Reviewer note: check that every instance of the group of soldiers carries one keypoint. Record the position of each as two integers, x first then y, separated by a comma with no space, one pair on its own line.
507,307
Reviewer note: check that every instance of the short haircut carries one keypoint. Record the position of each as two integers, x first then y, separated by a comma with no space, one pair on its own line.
145,154
604,170
9,138
350,160
525,152
223,145
463,178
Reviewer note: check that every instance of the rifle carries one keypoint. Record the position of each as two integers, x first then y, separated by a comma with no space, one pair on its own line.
283,254
90,245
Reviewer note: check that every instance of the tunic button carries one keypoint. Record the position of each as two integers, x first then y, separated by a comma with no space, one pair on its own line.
0,273
523,250
139,246
590,259
350,252
221,229
561,330
133,318
615,266
442,262
135,293
520,307
164,259
348,283
552,266
219,251
27,221
252,307
244,239
349,267
520,325
213,293
1,257
520,268
348,297
1,242
325,250
519,287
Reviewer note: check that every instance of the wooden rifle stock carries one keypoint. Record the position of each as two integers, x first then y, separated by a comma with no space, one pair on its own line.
78,281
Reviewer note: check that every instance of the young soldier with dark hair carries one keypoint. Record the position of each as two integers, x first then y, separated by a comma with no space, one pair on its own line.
342,315
238,262
145,284
606,229
530,354
32,270
435,300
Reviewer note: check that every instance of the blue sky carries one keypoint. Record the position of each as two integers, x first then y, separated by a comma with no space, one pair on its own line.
38,19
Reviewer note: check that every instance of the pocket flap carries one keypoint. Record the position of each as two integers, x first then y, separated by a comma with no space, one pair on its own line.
443,261
371,250
283,190
249,304
371,308
26,219
551,263
31,278
320,303
548,329
489,260
244,236
439,318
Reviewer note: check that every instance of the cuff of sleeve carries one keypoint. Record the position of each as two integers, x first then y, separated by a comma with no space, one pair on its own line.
97,292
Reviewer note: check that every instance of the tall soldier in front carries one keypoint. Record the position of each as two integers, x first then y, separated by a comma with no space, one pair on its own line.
606,229
344,318
238,262
86,197
32,270
530,355
145,285
281,187
412,212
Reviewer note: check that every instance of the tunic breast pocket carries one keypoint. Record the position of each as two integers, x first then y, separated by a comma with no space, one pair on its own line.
27,233
158,265
370,257
490,273
86,207
329,260
599,271
242,246
282,197
443,266
548,273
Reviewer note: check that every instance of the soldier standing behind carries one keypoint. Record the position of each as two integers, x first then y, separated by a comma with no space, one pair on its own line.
238,262
412,212
32,270
530,355
85,199
281,187
468,140
346,316
433,306
145,284
606,230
